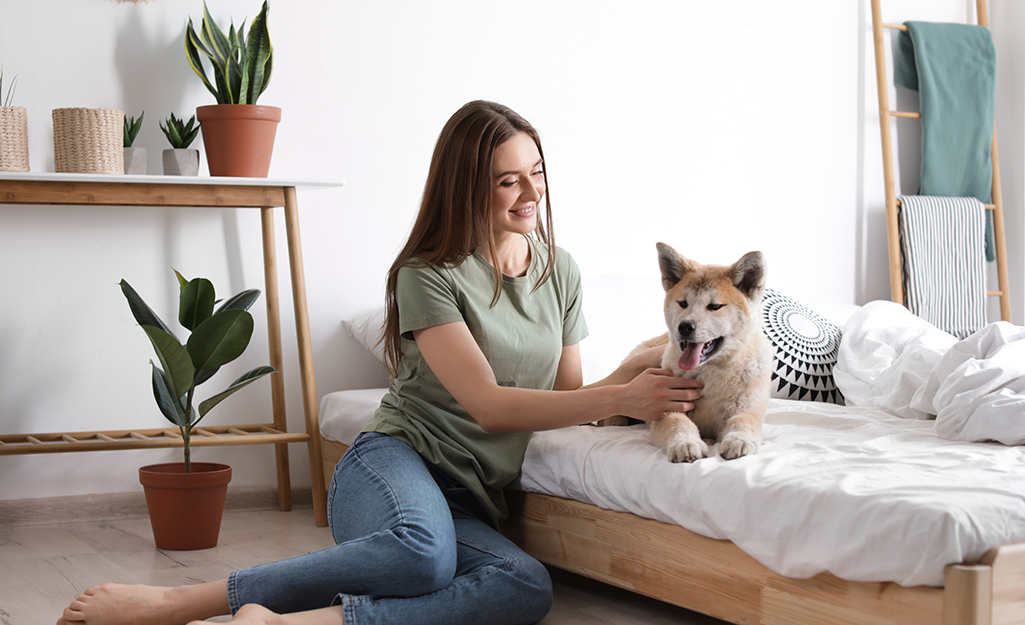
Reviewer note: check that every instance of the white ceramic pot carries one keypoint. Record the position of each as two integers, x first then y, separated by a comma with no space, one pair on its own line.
181,162
135,161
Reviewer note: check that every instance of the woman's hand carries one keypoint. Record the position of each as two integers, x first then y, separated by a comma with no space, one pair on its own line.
655,392
650,358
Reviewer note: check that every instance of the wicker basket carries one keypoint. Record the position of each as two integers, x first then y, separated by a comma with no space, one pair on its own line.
13,138
88,141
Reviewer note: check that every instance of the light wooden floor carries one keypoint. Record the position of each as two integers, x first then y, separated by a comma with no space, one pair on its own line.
50,550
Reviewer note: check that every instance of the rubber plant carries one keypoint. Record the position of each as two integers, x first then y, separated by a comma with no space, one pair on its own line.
217,338
241,63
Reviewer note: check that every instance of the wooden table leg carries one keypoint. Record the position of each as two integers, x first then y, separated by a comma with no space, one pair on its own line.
302,330
277,380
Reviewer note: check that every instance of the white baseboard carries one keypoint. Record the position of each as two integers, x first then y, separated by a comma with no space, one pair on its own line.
76,508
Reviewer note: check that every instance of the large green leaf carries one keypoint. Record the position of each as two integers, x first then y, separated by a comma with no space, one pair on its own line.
243,381
215,38
143,314
193,46
242,301
174,359
170,406
204,375
196,303
259,53
233,69
220,339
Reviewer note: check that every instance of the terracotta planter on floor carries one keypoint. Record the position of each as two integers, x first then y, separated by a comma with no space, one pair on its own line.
185,509
238,138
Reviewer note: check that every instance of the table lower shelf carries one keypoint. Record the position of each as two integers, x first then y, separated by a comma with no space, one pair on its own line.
63,442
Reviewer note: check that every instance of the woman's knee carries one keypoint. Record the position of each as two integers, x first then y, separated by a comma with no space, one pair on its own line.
427,562
535,583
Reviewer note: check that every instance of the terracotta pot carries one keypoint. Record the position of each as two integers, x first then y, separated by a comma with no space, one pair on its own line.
238,138
185,509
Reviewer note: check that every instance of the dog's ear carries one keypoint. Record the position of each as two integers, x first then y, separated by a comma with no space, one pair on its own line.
749,275
673,266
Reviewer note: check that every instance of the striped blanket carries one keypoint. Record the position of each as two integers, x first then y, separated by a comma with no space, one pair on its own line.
943,260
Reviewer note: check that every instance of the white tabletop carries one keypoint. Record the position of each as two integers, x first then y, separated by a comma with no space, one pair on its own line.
159,179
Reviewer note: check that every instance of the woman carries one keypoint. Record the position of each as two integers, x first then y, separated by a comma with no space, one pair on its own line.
482,335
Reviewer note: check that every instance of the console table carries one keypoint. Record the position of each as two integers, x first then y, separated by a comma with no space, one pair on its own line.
215,193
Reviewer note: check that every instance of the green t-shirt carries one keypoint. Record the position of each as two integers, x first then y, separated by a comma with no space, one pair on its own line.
522,337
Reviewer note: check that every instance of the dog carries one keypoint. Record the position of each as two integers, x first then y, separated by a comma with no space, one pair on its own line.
712,313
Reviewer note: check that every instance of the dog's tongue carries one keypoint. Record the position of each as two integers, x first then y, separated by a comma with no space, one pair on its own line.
691,357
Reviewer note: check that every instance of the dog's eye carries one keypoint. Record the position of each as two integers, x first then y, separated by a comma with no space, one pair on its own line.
715,306
682,303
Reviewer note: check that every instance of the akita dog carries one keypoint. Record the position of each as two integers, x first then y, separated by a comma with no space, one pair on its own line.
715,335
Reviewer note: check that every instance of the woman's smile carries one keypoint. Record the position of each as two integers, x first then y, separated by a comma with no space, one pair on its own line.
526,212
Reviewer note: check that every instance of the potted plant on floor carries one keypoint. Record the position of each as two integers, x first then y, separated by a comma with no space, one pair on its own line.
186,499
180,160
135,158
13,130
238,134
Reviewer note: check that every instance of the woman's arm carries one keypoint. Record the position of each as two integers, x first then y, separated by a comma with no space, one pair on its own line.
457,361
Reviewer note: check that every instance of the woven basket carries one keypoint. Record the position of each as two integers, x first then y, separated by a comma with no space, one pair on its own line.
13,138
88,141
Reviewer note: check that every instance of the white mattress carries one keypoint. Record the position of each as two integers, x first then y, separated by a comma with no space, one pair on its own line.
856,492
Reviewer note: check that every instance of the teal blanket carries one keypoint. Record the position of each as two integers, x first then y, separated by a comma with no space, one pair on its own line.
953,68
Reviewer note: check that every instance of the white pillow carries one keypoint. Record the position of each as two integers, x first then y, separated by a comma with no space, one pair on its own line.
366,327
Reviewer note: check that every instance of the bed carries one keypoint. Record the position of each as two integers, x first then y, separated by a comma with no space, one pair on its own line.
848,514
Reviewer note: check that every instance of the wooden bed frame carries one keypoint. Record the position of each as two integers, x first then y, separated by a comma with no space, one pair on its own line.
714,577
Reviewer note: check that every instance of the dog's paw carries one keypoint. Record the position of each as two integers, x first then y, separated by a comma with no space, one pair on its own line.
737,444
686,449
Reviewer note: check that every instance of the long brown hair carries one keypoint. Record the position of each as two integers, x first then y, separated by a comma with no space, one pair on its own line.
455,217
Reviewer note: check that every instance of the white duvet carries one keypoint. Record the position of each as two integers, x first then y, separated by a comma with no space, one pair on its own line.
857,492
974,388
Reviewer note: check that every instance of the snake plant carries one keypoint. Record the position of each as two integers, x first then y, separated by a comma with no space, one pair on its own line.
241,64
217,338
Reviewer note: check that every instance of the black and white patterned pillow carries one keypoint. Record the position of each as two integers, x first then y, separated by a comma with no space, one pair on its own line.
805,346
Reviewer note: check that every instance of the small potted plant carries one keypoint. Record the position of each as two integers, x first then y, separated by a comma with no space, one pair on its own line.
180,160
13,130
186,499
238,134
135,158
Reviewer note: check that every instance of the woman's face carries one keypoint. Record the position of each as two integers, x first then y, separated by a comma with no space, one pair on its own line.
518,184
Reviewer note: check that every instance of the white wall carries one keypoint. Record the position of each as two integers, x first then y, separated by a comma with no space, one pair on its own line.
716,127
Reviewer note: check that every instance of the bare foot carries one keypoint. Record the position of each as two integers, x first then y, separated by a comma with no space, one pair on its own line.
119,604
251,614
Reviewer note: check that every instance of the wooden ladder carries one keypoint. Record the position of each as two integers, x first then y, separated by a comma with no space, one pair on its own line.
885,115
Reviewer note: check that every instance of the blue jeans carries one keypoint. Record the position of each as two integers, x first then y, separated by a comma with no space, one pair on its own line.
413,546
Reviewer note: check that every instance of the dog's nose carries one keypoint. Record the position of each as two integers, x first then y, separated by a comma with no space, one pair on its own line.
686,329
